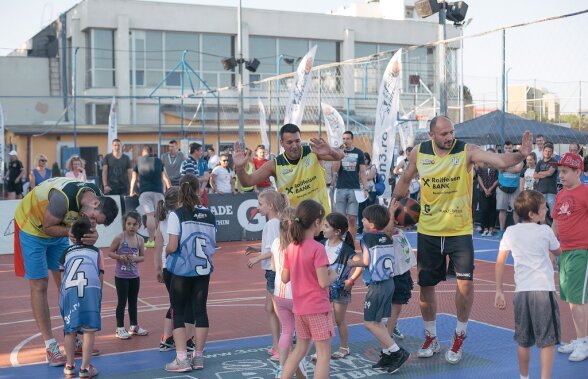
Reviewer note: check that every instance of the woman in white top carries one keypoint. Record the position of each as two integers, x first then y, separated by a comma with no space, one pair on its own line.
527,180
222,179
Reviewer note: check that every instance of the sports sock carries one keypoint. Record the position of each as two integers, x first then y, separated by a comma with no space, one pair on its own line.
392,349
50,342
431,327
524,377
199,353
461,327
182,355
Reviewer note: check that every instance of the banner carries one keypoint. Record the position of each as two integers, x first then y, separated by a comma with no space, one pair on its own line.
299,89
237,216
1,143
335,125
263,125
112,124
385,127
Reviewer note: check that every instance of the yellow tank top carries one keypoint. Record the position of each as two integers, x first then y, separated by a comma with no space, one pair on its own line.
31,210
304,180
446,191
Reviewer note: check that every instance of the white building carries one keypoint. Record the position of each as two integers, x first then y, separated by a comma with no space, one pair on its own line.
126,48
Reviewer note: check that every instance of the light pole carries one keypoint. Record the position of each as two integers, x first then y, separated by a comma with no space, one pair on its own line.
278,62
74,93
240,81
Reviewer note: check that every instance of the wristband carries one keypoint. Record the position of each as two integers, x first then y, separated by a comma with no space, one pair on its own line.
352,280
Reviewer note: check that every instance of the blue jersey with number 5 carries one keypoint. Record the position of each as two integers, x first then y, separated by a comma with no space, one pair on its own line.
80,297
196,243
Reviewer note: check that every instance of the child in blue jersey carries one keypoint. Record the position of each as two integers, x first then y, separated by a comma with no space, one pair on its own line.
377,257
128,249
80,298
271,204
340,248
192,239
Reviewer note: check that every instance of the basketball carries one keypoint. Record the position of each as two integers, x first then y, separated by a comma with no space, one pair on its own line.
408,212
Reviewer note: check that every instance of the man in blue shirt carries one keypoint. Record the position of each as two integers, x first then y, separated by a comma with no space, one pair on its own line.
198,166
508,189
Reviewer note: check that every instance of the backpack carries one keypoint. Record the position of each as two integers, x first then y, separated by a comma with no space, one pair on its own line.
379,186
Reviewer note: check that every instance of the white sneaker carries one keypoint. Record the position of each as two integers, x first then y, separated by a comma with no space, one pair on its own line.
580,352
122,333
567,348
430,346
136,330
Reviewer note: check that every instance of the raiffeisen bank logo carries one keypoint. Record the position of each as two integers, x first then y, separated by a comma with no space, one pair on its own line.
249,216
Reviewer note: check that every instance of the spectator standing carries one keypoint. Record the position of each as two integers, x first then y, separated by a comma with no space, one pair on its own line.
222,178
584,175
370,174
574,148
40,173
213,158
229,152
75,168
508,189
527,181
151,175
14,176
546,175
350,178
259,161
116,171
488,181
172,162
197,166
539,142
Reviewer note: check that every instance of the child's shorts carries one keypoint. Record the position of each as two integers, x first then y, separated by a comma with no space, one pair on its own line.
536,319
378,301
403,286
316,326
270,281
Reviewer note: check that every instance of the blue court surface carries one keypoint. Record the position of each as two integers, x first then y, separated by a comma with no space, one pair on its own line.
489,352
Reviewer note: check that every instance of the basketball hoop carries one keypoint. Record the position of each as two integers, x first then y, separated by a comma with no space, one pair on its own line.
422,120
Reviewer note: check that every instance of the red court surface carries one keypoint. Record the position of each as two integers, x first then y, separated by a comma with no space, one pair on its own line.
236,306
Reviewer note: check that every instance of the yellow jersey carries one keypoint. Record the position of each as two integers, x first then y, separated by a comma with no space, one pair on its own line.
304,180
446,191
31,210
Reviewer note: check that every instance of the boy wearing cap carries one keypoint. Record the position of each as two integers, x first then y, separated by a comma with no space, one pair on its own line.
14,177
569,216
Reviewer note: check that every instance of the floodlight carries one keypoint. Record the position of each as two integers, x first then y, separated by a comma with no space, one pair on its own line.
456,12
252,65
425,8
229,63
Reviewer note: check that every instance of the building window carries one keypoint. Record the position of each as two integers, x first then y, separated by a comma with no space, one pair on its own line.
100,58
97,114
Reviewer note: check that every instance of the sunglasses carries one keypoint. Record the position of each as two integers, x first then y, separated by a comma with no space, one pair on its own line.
42,160
224,160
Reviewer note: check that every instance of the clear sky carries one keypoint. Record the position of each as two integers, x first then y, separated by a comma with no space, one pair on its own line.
553,54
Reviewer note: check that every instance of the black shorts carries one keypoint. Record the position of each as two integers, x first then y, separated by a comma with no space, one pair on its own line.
431,261
403,286
14,187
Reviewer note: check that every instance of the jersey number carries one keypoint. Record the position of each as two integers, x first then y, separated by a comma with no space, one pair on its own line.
75,278
204,267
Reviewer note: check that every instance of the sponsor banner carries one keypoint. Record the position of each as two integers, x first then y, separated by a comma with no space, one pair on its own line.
112,124
386,111
335,125
299,89
237,216
1,143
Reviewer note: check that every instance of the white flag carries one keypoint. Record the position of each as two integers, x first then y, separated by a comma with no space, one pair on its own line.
263,124
386,111
112,124
1,143
299,90
335,125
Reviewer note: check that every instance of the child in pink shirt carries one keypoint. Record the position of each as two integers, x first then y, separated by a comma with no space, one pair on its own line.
306,267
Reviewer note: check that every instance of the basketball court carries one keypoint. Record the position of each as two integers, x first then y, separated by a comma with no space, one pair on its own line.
238,337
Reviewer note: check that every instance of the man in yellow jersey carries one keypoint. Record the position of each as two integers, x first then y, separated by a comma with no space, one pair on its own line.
297,170
42,223
445,166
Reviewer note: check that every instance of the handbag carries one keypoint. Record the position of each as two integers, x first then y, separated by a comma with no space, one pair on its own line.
508,189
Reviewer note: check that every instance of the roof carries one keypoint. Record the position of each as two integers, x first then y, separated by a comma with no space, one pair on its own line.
487,130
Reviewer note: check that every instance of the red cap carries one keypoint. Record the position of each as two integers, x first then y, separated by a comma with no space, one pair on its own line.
571,160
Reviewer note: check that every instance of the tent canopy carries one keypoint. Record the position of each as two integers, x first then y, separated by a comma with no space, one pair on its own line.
486,130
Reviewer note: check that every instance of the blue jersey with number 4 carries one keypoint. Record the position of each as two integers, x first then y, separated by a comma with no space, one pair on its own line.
196,243
80,297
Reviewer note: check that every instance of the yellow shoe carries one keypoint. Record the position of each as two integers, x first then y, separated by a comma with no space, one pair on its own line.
150,244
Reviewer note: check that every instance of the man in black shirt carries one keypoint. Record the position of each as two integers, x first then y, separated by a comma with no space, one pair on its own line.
116,171
546,175
14,177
